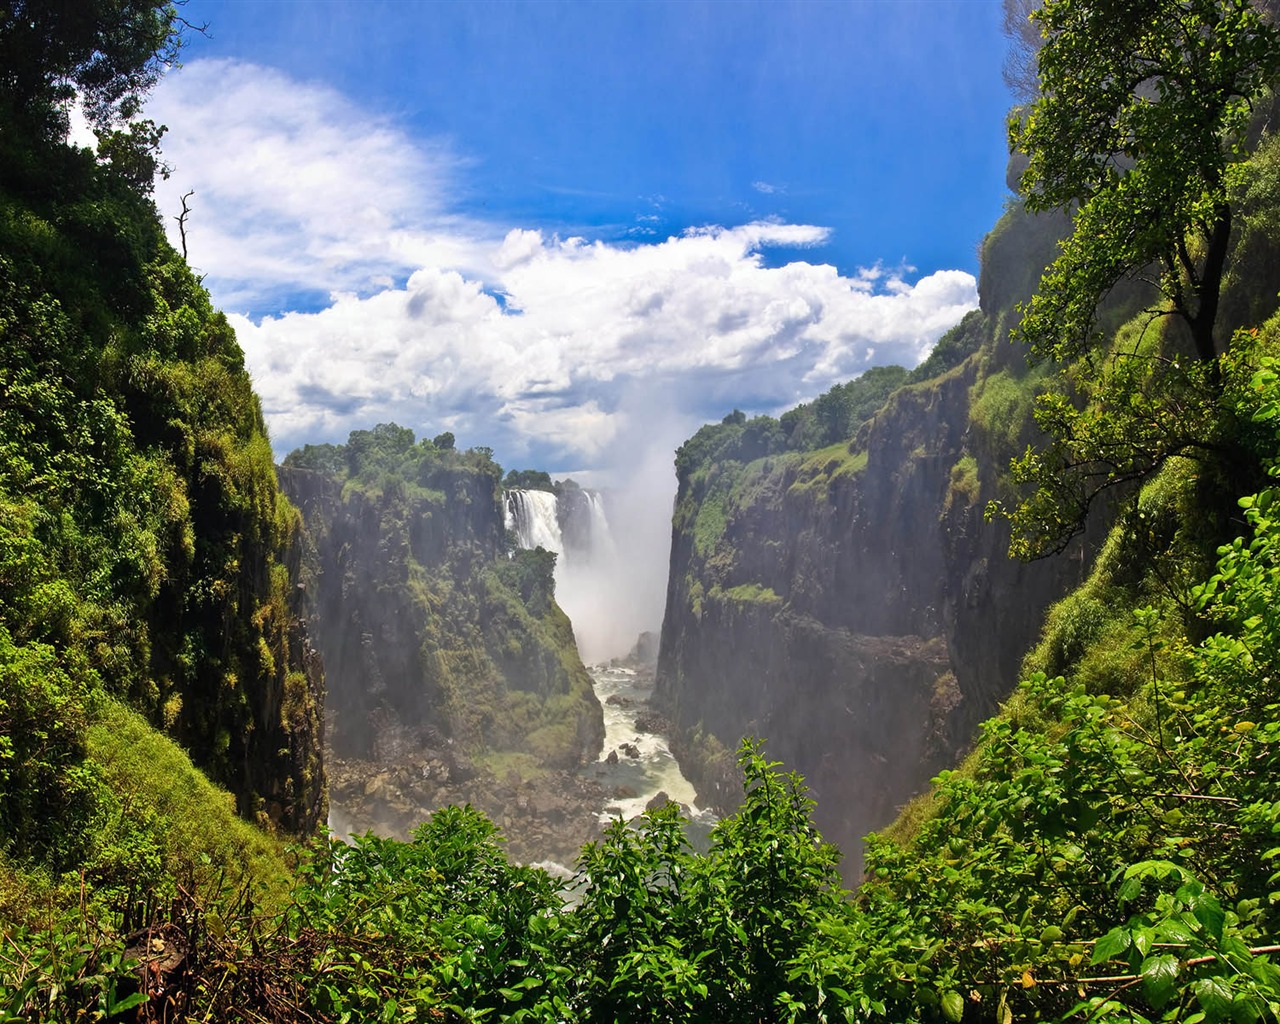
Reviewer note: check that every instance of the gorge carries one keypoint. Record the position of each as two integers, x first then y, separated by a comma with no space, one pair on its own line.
205,656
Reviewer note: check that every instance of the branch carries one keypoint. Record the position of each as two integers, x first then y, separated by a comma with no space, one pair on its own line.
182,221
1198,961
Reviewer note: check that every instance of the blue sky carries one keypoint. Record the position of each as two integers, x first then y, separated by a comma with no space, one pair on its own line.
575,231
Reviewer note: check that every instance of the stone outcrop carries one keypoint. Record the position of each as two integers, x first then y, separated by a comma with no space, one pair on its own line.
426,639
851,606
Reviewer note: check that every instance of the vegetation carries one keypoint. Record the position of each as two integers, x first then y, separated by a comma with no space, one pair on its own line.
147,558
528,480
1141,128
412,530
1107,853
1101,857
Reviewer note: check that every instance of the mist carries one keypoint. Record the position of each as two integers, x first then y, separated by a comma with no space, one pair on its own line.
621,590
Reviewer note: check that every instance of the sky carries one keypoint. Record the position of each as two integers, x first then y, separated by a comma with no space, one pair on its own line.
573,232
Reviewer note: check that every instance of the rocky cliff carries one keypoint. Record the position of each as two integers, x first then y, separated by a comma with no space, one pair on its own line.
437,639
840,602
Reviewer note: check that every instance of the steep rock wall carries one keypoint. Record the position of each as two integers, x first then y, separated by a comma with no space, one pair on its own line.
431,635
841,603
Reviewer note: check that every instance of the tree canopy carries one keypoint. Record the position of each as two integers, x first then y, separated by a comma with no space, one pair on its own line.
1143,111
109,52
1143,129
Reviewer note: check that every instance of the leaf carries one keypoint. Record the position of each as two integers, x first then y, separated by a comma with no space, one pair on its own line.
1208,911
953,1006
1129,889
1214,997
1111,945
1159,978
127,1003
1003,1014
1142,939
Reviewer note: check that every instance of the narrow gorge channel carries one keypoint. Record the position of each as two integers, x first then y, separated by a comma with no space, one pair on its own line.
545,814
636,768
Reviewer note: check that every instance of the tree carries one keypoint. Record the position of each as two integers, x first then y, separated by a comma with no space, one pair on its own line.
109,52
1143,111
1141,128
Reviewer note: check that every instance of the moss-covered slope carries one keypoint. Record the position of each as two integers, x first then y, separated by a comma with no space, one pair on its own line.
148,560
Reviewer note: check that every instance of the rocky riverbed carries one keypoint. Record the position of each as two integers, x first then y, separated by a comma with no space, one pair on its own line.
544,815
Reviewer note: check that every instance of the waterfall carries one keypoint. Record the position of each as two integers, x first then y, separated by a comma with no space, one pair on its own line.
532,517
602,546
589,586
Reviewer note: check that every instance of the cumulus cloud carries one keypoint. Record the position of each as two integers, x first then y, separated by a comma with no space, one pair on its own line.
509,335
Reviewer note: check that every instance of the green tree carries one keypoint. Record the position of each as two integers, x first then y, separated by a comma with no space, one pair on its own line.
110,52
1142,114
1142,129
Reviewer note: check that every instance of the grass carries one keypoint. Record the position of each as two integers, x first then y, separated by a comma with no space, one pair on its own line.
198,833
752,593
819,469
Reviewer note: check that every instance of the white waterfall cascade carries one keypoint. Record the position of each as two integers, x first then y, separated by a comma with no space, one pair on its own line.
531,515
591,583
602,545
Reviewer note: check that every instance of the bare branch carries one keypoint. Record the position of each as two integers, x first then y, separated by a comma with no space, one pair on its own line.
182,221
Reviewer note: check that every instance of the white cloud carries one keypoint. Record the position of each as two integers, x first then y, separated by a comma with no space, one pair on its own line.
296,188
509,336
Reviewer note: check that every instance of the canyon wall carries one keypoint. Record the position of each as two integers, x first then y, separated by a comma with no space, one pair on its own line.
435,635
849,604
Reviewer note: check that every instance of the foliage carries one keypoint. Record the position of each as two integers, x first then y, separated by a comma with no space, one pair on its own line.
531,574
836,415
528,480
388,455
952,349
1142,128
109,52
1142,114
144,546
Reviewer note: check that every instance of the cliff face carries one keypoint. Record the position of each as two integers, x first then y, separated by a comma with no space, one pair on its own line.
840,603
432,637
146,553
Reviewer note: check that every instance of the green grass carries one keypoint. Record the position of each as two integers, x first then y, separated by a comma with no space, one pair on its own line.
964,485
710,524
752,593
819,469
1000,407
198,834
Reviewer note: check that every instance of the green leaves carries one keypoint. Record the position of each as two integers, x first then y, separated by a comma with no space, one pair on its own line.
1159,979
1142,115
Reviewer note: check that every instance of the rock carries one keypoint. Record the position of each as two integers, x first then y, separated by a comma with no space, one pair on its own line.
651,721
660,799
624,793
619,701
612,758
630,749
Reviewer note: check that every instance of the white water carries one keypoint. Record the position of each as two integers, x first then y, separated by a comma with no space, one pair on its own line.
532,516
655,770
594,593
